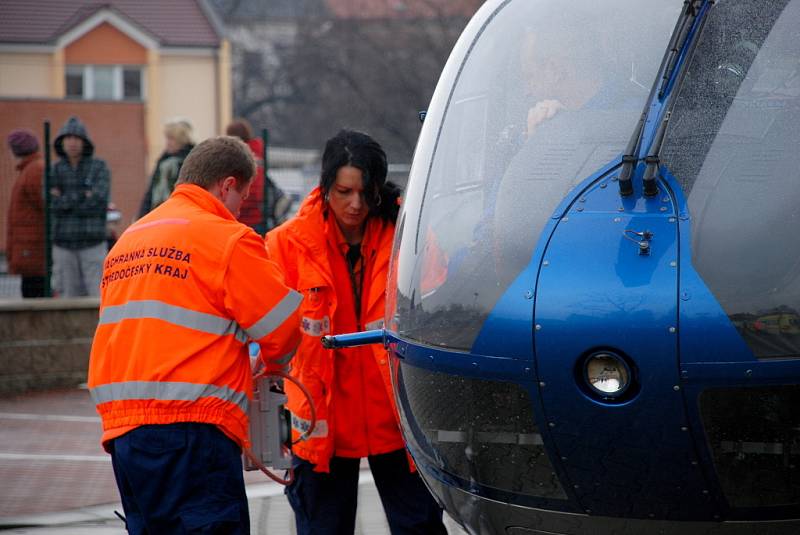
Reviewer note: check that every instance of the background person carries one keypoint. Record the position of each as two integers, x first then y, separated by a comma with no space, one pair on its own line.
79,200
336,252
178,144
253,207
183,290
25,225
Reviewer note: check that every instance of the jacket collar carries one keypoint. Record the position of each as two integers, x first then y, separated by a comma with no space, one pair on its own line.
310,227
28,159
202,198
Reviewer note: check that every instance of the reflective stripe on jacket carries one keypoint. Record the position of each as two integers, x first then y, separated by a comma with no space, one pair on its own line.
301,248
182,292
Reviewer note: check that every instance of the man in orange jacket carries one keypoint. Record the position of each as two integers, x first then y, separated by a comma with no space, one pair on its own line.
183,291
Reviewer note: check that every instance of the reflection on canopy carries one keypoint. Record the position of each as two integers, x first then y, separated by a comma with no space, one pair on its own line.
732,144
546,97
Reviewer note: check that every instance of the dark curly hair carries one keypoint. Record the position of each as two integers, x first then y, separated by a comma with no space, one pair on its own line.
359,150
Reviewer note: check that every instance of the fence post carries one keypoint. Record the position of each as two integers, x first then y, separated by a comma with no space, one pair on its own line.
48,238
267,214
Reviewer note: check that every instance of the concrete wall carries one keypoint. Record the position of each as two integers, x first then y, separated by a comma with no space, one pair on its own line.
45,343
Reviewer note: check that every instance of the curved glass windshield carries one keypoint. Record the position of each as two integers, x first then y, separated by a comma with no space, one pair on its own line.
548,94
732,143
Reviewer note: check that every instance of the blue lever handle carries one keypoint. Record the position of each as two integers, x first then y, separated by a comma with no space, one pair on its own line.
353,339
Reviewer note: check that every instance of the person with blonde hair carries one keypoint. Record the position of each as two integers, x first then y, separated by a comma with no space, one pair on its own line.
178,138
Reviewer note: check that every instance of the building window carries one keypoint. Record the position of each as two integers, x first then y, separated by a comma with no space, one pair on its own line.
74,82
132,83
105,82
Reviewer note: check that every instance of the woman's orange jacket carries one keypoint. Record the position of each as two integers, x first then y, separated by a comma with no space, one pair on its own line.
183,291
300,247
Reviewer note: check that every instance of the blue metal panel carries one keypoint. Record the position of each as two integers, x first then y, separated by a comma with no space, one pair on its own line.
507,331
633,458
705,333
458,363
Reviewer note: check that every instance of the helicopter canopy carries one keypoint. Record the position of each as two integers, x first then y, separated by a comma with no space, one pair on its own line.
732,144
541,95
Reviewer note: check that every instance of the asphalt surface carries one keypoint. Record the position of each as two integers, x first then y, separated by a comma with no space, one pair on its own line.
56,479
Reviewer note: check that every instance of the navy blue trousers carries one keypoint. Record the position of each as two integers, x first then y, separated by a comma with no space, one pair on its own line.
180,478
325,504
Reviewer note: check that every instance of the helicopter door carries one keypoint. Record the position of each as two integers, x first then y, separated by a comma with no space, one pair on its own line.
606,354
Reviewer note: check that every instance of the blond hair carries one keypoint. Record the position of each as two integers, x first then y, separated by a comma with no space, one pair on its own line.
180,130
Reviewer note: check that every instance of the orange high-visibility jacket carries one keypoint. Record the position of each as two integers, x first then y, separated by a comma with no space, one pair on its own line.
301,247
183,291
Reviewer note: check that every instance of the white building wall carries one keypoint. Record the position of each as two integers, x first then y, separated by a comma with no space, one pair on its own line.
189,90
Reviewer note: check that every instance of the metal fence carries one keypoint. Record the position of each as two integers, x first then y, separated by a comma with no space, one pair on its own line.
74,212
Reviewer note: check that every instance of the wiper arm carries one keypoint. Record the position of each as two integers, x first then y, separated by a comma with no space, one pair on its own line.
678,40
654,158
679,37
676,43
629,159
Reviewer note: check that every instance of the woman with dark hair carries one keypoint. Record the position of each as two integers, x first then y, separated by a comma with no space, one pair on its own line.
336,252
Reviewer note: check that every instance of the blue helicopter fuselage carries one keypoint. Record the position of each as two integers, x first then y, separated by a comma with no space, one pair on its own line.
594,299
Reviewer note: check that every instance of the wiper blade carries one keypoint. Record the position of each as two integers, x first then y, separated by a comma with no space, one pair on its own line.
654,158
680,35
629,159
678,40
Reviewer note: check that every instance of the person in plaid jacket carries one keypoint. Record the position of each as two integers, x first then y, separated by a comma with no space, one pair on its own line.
79,191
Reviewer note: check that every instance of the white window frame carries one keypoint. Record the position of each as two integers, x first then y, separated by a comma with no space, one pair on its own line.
117,81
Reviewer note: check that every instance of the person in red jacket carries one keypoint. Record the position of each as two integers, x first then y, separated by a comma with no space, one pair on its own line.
279,204
183,291
25,225
252,207
336,253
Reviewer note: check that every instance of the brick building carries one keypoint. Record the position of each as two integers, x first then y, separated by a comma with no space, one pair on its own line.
124,66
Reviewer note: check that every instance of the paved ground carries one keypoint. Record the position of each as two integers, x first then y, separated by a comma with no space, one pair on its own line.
10,286
55,478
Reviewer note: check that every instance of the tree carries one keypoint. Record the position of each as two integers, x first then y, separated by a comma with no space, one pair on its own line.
372,68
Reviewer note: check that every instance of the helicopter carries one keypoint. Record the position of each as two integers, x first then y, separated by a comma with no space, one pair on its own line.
595,283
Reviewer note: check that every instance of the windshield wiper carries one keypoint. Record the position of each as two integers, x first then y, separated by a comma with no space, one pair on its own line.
630,158
654,158
679,38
